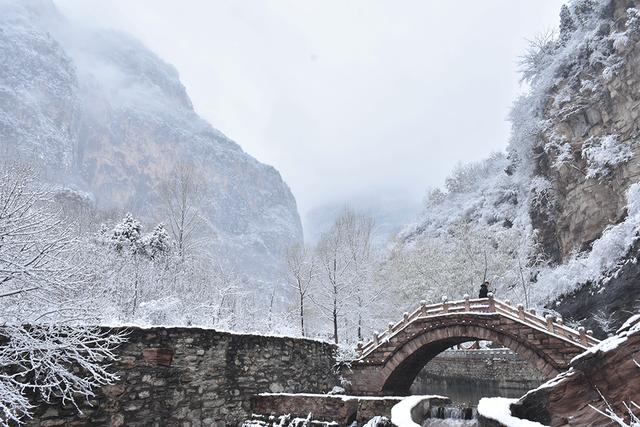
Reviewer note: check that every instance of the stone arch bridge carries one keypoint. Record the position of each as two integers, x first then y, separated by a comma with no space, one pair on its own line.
390,362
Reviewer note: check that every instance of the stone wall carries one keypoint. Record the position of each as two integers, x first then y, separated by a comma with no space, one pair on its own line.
338,408
501,368
197,377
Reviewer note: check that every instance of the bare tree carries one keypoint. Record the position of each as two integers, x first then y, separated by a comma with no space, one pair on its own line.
335,265
358,242
181,195
43,281
302,271
345,256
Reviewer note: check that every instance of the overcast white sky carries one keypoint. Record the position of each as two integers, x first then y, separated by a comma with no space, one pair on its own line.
345,98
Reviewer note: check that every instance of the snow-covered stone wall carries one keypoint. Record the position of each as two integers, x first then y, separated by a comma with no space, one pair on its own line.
191,376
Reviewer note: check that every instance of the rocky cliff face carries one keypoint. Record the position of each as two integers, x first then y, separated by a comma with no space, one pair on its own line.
590,135
587,151
101,113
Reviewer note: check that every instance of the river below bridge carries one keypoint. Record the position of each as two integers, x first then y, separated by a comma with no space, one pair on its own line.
467,393
464,395
468,376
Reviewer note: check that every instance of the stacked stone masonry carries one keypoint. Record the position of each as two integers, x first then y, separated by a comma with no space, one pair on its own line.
343,410
392,367
197,377
501,367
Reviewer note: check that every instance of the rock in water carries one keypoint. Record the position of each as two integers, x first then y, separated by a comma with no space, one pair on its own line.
101,113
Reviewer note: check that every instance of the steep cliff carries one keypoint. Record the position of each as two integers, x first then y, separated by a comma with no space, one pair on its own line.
101,113
588,144
587,149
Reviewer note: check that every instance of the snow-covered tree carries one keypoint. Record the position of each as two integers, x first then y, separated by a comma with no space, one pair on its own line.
302,271
181,195
345,289
44,294
126,235
333,289
157,244
362,255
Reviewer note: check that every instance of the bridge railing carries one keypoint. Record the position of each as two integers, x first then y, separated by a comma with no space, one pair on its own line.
549,323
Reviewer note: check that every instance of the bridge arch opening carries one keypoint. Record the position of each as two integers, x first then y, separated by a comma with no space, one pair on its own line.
402,368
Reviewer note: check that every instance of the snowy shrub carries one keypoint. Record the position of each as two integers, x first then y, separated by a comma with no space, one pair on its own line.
633,20
164,311
538,56
157,243
346,352
602,154
126,234
45,282
562,153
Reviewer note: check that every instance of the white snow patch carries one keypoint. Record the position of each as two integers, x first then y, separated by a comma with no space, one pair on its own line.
631,321
552,382
401,411
606,252
615,341
342,397
142,325
375,421
497,408
604,153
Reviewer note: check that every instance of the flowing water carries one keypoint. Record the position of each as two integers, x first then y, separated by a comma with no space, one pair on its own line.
469,393
451,416
464,397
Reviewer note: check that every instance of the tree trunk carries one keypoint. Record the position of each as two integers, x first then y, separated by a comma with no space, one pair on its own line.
302,314
135,289
335,302
335,324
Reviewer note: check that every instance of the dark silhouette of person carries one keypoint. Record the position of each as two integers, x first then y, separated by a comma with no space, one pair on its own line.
484,290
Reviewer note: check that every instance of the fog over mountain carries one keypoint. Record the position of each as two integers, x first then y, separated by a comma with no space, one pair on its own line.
346,99
104,115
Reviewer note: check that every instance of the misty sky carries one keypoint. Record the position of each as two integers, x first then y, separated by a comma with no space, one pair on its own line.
347,99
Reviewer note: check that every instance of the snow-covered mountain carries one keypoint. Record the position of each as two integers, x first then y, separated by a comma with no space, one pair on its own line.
101,113
568,184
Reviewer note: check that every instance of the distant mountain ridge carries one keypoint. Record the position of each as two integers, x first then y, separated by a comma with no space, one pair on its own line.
103,114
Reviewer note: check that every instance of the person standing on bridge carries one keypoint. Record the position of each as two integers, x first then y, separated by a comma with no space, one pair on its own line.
484,290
